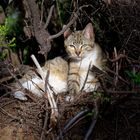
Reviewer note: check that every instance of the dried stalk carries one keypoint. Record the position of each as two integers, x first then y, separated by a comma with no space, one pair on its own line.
117,67
8,114
15,78
54,111
115,74
65,28
86,77
74,18
41,16
38,67
118,58
48,90
49,17
44,126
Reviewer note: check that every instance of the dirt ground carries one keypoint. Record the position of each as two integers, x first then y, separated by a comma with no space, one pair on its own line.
118,118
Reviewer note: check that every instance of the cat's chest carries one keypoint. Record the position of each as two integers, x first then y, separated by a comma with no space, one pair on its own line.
88,61
85,74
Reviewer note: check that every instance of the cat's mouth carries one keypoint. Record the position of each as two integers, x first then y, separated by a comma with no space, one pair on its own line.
75,59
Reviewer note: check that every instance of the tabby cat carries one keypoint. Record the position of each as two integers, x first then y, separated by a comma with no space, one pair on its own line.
83,53
74,76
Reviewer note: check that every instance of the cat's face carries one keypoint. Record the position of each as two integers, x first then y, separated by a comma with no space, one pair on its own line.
79,43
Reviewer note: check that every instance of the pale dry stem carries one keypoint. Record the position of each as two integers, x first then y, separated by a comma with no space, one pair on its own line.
49,91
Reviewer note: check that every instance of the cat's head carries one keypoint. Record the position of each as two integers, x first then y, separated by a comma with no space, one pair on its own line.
79,43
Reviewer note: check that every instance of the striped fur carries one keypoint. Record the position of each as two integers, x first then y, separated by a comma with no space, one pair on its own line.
83,53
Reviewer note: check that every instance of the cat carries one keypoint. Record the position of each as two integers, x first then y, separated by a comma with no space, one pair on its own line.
73,76
83,53
57,76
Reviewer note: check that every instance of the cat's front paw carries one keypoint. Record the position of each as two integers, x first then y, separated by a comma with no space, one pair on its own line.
73,87
73,91
69,98
20,95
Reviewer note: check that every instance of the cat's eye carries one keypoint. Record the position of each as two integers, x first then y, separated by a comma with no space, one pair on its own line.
72,46
85,45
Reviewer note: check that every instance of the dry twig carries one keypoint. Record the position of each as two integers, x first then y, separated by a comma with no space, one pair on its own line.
116,68
75,16
49,17
48,91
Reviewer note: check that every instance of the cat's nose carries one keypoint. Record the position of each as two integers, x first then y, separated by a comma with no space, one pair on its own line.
78,53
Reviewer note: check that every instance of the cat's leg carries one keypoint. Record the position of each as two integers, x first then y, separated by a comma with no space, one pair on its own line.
34,85
73,79
20,95
91,86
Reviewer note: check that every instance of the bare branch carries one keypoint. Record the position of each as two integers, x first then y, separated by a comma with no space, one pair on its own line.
38,67
86,77
40,33
121,92
48,92
41,19
49,16
117,66
118,58
65,28
75,16
108,70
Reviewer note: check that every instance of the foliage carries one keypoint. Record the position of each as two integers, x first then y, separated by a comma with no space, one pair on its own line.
4,42
135,77
101,96
3,37
63,7
10,31
13,23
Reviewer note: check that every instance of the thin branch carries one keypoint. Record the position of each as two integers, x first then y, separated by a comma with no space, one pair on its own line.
117,67
10,115
118,58
44,126
38,67
15,78
65,28
75,16
41,19
86,77
46,115
49,17
48,90
124,45
108,70
54,108
121,92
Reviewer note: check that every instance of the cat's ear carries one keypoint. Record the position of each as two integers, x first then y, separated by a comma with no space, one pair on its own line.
88,32
67,32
